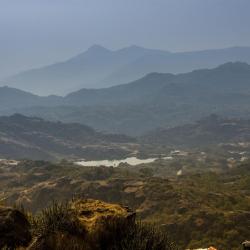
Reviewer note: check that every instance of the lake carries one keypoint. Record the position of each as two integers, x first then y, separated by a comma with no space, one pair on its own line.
133,161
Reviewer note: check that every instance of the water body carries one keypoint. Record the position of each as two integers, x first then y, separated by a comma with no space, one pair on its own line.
133,161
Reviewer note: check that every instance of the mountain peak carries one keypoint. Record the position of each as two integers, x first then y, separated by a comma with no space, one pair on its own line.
133,48
92,52
97,48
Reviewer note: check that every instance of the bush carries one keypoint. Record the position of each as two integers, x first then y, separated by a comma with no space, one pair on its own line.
143,236
130,235
56,218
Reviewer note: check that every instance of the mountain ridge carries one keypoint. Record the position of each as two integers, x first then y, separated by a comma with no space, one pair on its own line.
99,67
153,101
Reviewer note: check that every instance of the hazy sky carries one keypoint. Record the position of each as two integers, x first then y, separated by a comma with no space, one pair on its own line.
37,32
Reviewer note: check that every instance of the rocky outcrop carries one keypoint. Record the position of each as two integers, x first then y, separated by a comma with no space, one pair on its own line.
14,228
95,214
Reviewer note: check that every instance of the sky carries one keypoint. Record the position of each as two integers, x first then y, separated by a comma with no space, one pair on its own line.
39,32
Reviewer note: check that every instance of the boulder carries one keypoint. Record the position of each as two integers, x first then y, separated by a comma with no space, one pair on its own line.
95,214
246,245
14,228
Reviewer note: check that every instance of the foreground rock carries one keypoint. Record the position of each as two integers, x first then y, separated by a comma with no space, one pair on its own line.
94,214
14,228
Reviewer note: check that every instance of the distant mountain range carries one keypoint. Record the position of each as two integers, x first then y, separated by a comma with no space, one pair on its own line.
99,67
156,100
24,137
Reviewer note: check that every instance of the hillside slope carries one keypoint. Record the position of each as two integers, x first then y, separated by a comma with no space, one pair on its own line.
13,98
34,138
209,131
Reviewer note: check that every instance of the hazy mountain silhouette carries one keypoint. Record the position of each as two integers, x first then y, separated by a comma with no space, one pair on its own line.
99,67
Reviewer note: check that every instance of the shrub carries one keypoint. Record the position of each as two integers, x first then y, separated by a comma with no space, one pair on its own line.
132,236
57,217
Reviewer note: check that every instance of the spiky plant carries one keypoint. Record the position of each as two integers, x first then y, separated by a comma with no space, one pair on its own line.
57,218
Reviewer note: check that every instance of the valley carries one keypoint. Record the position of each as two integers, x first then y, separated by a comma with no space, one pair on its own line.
195,178
124,125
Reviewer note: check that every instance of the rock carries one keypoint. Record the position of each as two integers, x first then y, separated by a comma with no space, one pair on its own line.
14,228
104,223
246,245
94,214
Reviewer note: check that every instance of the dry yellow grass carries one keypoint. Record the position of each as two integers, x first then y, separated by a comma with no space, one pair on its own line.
93,212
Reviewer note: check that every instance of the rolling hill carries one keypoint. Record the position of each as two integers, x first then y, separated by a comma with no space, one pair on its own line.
34,138
13,98
209,131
